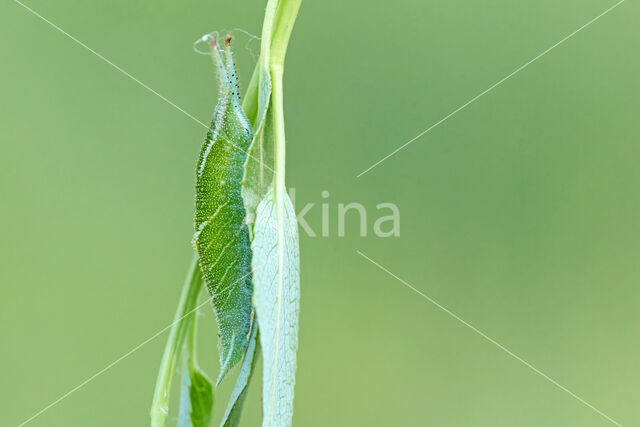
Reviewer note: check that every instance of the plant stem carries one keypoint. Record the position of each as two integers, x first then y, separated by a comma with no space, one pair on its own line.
276,31
190,344
180,328
278,130
287,13
267,31
250,102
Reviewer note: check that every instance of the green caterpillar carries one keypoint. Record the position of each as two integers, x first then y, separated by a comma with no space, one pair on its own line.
222,237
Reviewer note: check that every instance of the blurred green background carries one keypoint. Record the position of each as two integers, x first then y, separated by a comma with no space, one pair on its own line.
519,214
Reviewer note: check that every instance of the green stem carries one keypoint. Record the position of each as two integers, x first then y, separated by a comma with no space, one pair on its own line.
276,31
287,13
267,31
179,331
190,345
250,102
278,130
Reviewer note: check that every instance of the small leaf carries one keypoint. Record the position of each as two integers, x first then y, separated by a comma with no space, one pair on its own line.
222,236
277,303
232,414
196,401
201,393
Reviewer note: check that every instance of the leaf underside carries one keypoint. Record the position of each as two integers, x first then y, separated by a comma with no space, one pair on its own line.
277,301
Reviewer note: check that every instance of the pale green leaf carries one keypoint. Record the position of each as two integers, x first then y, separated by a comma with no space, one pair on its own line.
184,413
277,303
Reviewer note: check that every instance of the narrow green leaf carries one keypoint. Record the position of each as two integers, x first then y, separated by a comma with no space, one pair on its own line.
180,328
232,414
201,396
222,236
277,303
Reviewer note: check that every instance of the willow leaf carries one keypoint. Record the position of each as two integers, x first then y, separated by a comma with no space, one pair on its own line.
277,303
232,414
222,236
